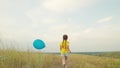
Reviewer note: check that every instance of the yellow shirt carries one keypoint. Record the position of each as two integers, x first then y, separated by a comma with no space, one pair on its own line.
64,47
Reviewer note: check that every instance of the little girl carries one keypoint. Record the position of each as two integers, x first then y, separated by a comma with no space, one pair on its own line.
64,49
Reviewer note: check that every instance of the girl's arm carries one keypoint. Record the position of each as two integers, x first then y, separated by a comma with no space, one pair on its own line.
60,47
69,49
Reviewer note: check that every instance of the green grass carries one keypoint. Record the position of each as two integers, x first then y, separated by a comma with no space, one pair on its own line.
111,54
15,59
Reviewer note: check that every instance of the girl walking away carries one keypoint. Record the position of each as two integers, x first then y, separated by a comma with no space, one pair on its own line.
65,50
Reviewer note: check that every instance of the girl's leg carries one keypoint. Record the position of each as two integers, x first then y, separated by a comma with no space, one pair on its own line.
63,60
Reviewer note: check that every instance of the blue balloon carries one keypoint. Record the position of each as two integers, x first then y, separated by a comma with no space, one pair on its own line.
38,44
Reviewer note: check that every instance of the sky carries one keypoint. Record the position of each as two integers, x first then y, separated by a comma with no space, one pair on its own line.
91,25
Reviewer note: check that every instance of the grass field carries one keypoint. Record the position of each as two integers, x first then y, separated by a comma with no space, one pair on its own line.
15,59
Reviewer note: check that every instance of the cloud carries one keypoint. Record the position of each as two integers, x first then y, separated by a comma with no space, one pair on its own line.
88,30
55,25
66,5
104,20
13,21
45,21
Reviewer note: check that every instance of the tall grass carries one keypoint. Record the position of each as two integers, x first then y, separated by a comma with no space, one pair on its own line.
16,59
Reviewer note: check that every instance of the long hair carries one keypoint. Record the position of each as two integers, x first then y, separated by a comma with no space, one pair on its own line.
65,37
